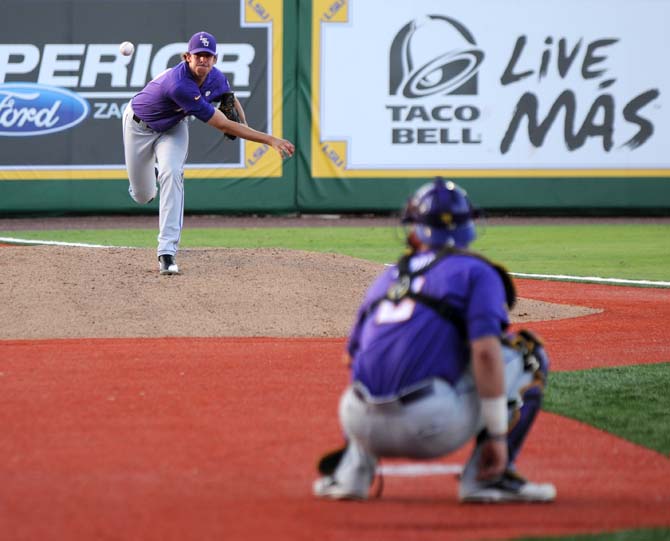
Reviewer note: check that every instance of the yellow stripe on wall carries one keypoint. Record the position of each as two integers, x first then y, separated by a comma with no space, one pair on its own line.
265,168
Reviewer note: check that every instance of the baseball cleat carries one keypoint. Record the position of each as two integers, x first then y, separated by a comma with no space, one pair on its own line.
167,264
328,487
511,487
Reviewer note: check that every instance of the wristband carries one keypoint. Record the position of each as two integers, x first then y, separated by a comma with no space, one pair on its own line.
494,412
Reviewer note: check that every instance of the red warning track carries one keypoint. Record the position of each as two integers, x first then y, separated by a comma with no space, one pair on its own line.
161,439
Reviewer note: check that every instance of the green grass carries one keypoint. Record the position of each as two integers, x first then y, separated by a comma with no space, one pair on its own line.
652,534
635,251
380,244
630,401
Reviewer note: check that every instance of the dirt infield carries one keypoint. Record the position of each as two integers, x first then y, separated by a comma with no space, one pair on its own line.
193,423
109,293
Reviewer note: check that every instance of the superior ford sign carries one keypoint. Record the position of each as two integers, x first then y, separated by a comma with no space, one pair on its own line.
28,109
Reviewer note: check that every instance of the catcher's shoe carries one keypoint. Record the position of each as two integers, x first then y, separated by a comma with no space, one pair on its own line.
511,487
167,264
328,487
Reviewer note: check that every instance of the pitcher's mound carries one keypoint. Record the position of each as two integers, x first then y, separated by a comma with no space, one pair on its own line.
72,292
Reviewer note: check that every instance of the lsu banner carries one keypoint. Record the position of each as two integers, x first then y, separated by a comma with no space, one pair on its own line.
64,83
488,88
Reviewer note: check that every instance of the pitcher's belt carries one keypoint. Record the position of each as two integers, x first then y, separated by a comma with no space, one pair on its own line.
140,121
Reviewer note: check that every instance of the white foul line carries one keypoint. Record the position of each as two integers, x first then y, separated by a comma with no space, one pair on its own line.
596,279
564,277
11,240
585,279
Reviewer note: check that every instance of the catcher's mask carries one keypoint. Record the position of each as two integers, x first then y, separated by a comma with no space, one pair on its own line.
440,214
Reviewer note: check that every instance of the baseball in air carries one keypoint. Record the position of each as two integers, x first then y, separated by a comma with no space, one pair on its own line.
126,48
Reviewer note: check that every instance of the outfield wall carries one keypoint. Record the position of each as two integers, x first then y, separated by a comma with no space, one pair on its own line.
553,106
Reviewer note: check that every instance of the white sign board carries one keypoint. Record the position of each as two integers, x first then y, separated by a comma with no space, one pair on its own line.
484,87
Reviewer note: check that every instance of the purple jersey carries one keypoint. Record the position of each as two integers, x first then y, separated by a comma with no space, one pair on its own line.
398,345
174,94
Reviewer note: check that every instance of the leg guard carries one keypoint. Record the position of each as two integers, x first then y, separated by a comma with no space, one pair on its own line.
523,418
536,366
528,368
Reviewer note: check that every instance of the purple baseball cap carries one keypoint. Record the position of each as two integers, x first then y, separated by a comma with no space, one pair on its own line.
202,42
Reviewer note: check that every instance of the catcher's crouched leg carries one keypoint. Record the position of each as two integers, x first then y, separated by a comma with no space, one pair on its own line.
531,392
347,473
527,391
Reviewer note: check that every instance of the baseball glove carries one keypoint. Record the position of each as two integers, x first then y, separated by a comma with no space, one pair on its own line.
227,107
527,343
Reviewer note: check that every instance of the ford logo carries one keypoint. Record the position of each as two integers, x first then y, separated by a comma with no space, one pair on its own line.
28,109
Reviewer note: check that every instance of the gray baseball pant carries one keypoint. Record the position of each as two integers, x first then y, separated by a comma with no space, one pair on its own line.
146,149
430,427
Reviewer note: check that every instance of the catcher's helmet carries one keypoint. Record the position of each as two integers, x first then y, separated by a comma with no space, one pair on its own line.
440,214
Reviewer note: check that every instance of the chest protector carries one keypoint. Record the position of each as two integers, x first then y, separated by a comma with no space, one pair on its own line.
401,288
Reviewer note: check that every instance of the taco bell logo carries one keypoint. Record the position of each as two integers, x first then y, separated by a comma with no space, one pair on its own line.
433,58
28,109
433,55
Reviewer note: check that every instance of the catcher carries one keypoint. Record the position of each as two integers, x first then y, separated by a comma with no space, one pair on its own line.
433,367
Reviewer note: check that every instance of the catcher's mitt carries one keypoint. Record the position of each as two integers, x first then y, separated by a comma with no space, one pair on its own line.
227,107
